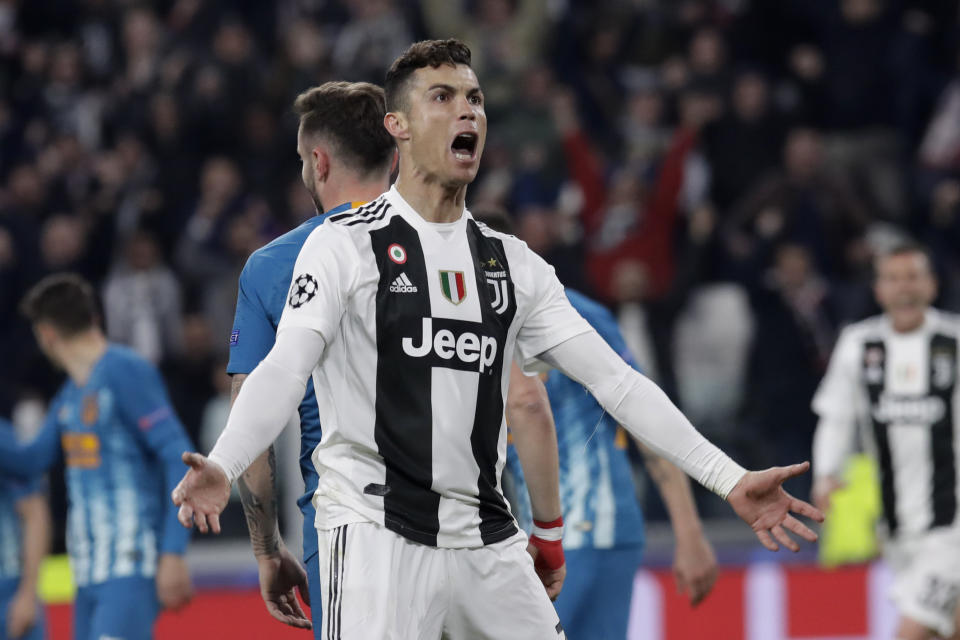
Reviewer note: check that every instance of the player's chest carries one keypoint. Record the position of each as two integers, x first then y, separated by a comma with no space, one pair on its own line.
911,365
911,380
85,420
450,303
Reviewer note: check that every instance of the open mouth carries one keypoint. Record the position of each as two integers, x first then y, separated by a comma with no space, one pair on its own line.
464,146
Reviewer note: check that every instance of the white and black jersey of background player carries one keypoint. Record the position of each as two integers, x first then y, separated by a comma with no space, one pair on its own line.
895,377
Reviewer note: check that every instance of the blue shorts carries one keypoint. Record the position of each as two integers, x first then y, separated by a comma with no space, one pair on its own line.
313,567
120,609
595,601
7,590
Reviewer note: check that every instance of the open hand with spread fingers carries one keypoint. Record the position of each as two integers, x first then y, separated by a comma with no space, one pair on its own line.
760,500
202,494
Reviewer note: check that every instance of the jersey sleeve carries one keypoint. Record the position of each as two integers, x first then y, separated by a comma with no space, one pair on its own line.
836,402
835,398
146,410
551,319
322,280
253,334
606,326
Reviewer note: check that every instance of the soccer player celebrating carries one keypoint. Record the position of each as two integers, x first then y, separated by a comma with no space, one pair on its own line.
347,157
24,541
121,444
896,376
408,313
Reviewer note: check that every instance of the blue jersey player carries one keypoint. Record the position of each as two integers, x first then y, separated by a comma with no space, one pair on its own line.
24,541
121,443
603,533
347,156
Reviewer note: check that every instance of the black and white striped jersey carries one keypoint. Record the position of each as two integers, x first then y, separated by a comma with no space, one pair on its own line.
901,390
421,322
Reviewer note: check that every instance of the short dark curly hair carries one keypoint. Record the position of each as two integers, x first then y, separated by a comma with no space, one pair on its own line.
426,53
64,300
350,116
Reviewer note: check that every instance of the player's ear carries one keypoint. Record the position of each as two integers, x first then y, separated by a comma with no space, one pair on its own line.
45,334
321,163
397,125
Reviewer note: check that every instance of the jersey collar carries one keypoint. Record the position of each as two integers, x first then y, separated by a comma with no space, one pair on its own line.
346,206
428,234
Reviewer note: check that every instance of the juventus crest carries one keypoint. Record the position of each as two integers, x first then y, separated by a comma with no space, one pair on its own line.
497,281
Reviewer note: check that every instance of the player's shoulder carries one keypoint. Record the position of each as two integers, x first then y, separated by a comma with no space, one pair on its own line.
121,362
946,321
363,218
589,308
346,234
872,328
524,263
510,242
282,249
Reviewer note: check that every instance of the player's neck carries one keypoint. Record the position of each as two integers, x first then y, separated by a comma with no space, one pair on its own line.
433,201
81,353
353,191
907,322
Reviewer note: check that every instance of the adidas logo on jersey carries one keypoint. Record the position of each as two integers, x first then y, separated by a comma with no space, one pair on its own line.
402,284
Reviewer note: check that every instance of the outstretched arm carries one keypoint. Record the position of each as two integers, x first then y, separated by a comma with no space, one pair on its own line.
279,571
324,275
646,412
694,563
535,437
269,395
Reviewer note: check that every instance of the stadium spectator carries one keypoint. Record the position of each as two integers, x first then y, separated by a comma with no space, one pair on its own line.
142,300
805,203
795,320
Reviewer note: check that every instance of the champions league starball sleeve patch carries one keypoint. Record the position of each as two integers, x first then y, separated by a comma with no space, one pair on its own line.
302,290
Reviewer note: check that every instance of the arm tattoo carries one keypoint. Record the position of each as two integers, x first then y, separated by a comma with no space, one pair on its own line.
258,495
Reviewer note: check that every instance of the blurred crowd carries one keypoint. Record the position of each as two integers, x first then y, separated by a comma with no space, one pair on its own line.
719,172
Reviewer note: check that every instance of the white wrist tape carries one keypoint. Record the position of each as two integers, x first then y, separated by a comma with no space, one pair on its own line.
552,534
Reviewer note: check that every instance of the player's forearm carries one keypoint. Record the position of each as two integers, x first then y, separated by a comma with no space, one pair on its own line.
35,519
258,494
267,399
674,488
644,410
535,437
